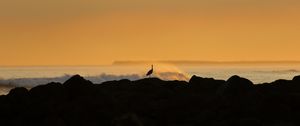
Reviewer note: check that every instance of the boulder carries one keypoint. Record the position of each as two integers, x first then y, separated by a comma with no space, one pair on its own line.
205,84
77,81
18,94
297,79
237,86
77,86
51,91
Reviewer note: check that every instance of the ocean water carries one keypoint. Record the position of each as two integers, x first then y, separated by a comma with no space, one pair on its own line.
31,76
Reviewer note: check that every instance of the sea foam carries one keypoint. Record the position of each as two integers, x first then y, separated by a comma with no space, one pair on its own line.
31,82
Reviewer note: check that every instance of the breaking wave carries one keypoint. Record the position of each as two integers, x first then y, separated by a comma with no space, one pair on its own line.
31,82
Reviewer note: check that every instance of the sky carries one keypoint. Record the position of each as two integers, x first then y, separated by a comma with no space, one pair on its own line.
98,32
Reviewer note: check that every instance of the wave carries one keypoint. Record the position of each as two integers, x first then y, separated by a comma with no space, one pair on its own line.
31,82
281,71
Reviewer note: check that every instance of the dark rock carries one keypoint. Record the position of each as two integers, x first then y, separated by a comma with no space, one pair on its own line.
297,79
205,84
154,102
18,94
76,82
239,82
51,91
128,120
77,85
237,86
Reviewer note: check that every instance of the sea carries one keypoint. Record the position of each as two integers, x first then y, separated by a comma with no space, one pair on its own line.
30,76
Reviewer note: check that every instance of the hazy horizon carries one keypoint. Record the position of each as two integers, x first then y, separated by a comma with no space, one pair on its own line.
171,62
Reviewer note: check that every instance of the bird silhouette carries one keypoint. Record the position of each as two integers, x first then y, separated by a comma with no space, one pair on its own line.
150,71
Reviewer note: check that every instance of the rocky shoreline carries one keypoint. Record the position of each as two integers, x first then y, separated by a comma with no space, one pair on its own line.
154,102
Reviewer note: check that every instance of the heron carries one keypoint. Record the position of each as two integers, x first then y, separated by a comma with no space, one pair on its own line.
150,71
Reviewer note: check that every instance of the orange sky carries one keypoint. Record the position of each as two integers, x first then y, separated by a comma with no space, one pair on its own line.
90,32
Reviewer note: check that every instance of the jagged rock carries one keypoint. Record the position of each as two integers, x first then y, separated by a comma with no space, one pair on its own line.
77,85
51,91
150,81
205,84
18,94
153,102
77,81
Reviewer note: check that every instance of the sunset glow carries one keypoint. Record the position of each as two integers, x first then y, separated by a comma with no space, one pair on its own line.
68,32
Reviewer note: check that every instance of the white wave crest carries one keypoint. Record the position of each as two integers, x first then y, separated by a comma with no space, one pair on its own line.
31,82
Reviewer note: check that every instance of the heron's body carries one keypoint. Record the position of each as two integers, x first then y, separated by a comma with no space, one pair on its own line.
150,71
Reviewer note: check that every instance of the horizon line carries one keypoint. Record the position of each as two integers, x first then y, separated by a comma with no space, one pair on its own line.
178,62
121,62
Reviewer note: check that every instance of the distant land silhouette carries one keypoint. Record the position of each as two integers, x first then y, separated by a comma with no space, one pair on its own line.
187,62
154,102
